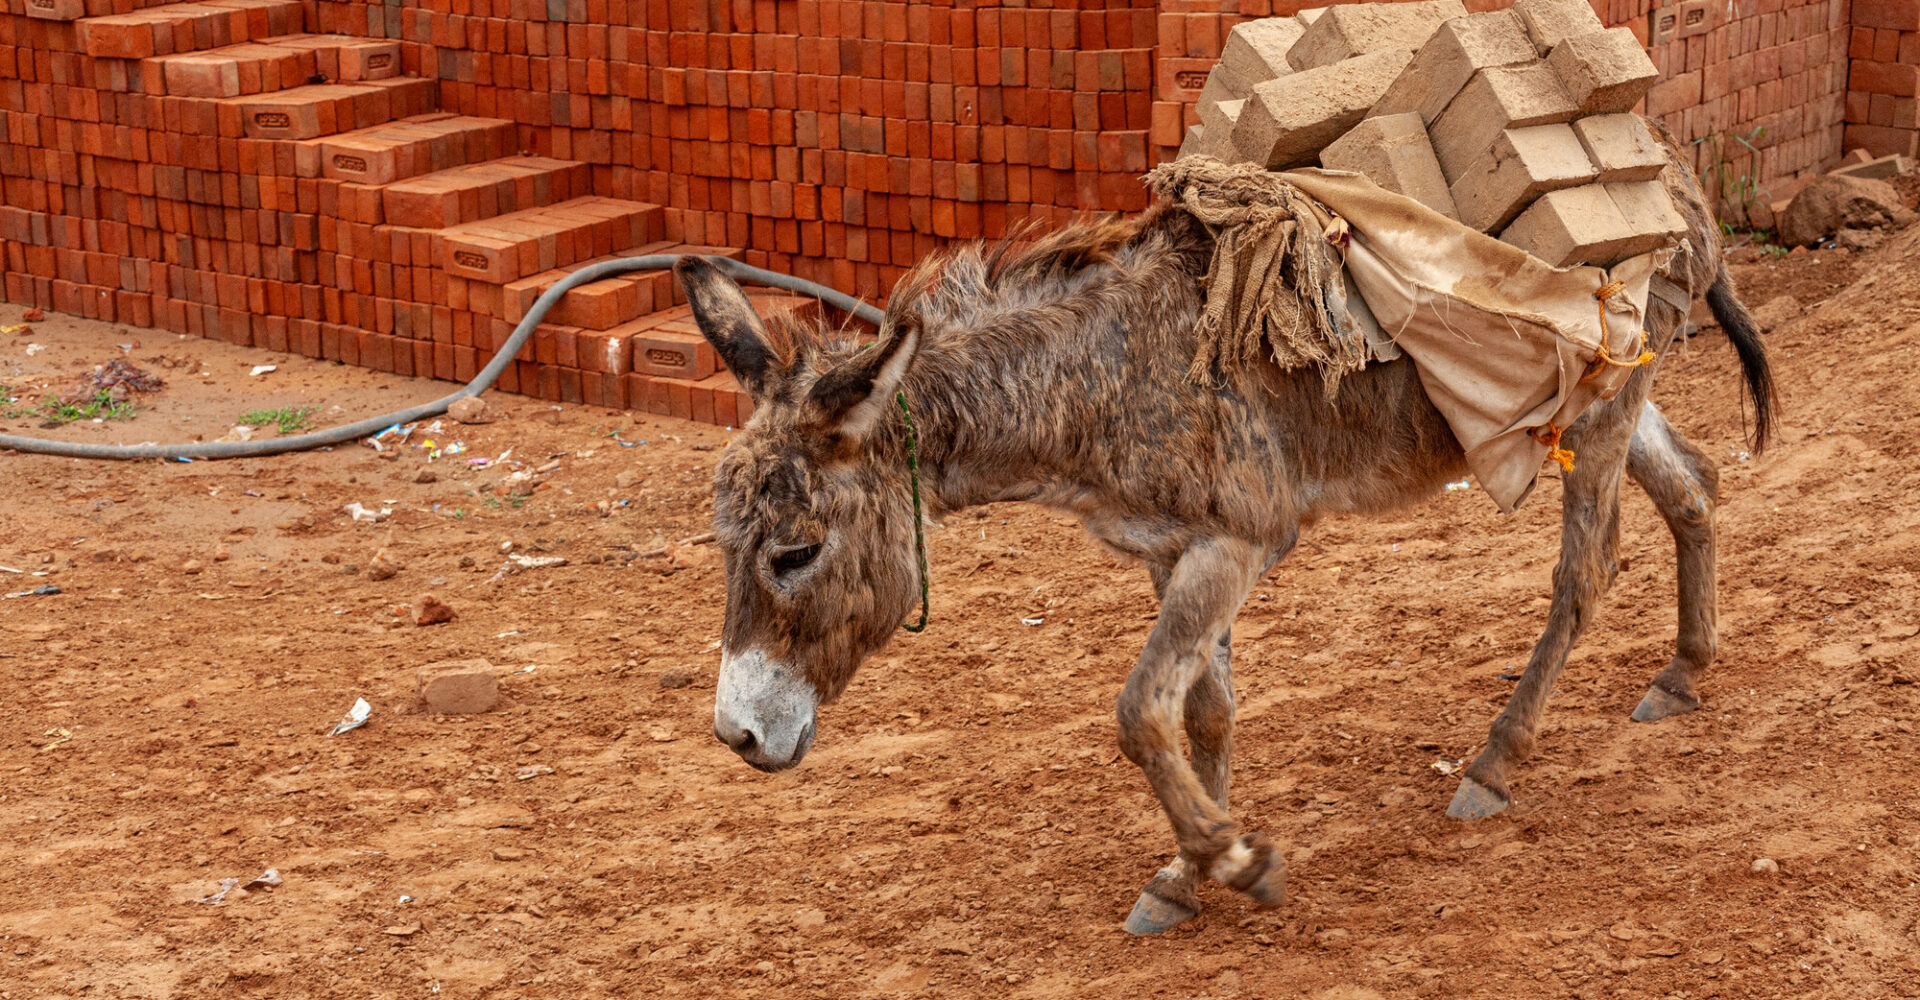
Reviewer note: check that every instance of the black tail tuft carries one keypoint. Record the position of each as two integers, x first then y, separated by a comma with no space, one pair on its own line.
1745,335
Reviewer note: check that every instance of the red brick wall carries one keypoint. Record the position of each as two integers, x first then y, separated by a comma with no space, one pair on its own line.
835,140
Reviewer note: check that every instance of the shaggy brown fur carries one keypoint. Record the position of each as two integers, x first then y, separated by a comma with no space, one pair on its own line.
1056,371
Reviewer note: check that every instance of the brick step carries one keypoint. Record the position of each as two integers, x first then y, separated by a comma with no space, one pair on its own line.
603,304
476,191
396,151
274,64
512,246
319,110
183,27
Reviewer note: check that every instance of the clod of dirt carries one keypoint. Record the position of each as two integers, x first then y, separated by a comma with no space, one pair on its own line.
383,566
221,554
425,475
673,679
509,854
459,687
430,610
1777,312
625,480
471,410
1837,202
34,315
191,567
1766,866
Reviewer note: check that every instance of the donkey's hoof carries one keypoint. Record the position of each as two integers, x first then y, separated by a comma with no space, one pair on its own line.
1270,890
1660,703
1476,801
1153,914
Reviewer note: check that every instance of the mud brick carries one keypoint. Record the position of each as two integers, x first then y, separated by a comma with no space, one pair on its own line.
1496,99
1287,121
1256,51
1895,15
1649,212
1605,71
1194,142
1578,225
484,258
1224,84
1883,168
673,350
601,305
366,59
1523,164
57,10
1621,146
1458,49
608,353
1358,29
1550,22
1216,139
200,76
1394,153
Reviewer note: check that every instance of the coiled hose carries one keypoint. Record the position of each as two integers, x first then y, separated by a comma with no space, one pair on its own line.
501,358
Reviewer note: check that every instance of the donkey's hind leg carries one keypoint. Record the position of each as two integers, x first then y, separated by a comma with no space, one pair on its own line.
1172,898
1589,537
1684,486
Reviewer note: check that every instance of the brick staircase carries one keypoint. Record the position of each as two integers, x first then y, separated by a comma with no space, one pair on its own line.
300,192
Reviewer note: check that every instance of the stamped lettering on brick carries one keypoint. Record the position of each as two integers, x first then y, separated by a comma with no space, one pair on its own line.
467,258
345,162
272,119
43,4
379,60
666,358
1191,79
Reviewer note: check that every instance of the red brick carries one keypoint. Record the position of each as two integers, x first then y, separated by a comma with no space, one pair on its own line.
1900,15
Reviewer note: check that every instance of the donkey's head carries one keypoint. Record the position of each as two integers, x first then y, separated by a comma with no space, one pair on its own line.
813,513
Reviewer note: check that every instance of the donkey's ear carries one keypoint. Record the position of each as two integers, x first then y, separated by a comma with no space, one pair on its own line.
850,399
728,321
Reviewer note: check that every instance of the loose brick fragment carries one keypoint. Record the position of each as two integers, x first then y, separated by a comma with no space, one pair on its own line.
1286,122
1496,99
1549,22
1606,71
1457,50
1350,30
1621,146
1523,164
458,687
1394,153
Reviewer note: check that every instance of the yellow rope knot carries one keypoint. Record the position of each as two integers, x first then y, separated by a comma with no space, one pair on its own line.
1602,357
1549,435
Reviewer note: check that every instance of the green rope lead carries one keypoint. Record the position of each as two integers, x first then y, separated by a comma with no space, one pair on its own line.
919,526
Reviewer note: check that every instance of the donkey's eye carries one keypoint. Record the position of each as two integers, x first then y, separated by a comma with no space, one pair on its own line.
787,561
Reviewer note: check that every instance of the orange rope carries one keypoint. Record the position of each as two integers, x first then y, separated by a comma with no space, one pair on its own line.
1602,357
1549,435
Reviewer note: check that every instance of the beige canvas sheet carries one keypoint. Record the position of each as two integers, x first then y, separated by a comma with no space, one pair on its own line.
1505,344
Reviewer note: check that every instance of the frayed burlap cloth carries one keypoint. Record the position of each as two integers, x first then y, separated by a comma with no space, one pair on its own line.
1275,285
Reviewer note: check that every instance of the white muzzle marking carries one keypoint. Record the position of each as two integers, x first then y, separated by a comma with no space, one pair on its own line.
764,710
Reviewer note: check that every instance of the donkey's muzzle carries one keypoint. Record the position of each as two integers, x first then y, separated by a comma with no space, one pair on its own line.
763,712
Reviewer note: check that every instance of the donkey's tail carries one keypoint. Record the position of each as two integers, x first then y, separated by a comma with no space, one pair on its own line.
1745,335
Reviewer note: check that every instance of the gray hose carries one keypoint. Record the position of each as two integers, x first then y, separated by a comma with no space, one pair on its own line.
501,358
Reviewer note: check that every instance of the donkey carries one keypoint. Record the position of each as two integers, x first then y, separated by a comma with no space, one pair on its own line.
1056,371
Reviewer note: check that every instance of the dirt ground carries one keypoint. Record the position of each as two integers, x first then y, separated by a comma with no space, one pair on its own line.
966,825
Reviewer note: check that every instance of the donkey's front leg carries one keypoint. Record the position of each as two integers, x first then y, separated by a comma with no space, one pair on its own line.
1202,594
1172,897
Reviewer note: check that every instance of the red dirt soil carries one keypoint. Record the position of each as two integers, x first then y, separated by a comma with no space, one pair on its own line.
965,826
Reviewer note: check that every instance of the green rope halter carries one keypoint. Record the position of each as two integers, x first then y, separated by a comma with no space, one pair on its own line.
919,528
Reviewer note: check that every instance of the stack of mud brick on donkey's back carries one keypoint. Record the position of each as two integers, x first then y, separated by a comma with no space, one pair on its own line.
1516,122
245,179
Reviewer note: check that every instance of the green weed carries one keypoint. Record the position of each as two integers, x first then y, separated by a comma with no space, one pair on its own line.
288,419
101,405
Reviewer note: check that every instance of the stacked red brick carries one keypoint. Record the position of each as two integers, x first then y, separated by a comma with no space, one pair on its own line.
838,141
1883,78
